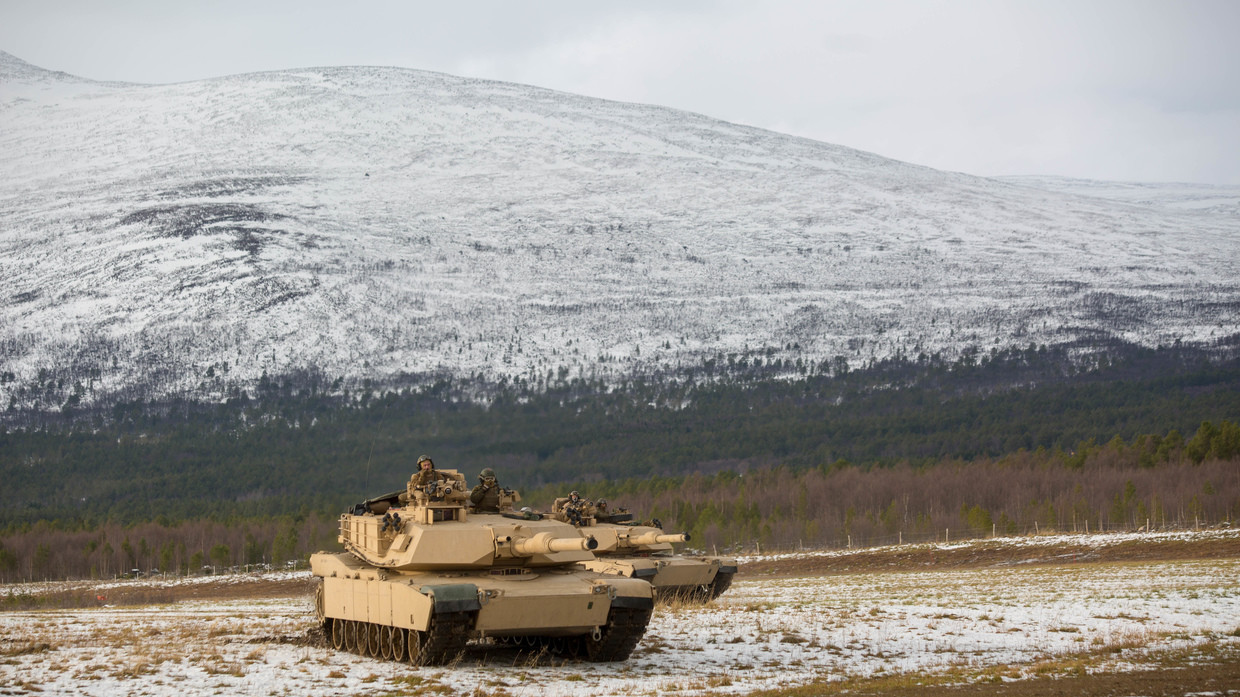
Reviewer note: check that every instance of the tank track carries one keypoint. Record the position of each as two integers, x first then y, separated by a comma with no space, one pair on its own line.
721,583
617,639
446,637
442,641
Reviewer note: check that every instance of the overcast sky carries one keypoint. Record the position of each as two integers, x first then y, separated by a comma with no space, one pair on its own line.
1127,89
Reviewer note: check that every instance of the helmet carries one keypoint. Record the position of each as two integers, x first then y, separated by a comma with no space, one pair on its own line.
425,458
574,495
486,473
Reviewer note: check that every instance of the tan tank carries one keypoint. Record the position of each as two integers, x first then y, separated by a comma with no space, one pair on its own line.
644,551
423,574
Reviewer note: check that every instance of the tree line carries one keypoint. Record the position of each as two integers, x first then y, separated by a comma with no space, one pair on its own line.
1151,482
47,550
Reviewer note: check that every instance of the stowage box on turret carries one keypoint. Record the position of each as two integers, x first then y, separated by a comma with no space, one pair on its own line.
423,574
636,550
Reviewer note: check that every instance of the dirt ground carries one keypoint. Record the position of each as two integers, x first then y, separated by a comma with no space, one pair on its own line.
1222,678
1216,672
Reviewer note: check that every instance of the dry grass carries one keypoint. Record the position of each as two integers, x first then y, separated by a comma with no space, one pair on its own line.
26,649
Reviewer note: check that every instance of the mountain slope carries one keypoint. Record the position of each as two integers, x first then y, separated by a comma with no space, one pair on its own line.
368,222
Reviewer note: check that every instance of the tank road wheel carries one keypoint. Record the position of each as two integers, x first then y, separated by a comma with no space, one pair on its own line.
373,639
396,643
413,647
385,642
337,634
566,647
442,641
350,635
723,581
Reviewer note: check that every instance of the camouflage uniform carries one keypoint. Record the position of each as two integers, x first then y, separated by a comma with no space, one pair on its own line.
425,477
485,496
576,509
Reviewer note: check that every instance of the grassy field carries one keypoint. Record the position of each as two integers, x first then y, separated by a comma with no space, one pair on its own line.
1142,614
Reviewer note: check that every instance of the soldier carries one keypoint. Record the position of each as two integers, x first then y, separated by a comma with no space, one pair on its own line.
426,474
575,508
485,496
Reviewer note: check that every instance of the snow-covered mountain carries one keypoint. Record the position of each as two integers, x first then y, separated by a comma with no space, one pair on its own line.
369,222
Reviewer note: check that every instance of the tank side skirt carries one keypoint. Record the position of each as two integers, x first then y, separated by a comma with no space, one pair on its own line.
381,602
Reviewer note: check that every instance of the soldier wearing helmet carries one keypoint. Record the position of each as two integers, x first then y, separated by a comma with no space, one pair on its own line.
575,508
425,475
485,496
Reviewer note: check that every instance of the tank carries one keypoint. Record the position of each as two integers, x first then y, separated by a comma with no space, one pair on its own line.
644,551
423,574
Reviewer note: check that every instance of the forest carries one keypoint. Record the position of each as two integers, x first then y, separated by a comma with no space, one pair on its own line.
736,453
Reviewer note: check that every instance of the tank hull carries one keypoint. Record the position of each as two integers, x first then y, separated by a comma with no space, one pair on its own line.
572,611
519,601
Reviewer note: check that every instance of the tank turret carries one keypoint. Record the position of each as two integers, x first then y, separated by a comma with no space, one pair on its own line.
423,573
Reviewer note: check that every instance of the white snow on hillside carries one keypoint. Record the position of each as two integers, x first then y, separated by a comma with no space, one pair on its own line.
369,222
1222,200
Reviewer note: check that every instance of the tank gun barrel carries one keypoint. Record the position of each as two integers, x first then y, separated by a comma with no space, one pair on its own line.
544,543
657,538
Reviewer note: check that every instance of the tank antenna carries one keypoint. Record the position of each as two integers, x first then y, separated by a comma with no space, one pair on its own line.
373,438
